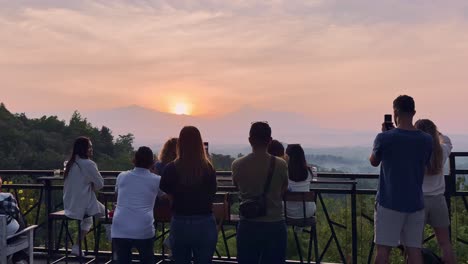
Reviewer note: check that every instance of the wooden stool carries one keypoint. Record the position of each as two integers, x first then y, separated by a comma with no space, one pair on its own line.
60,215
305,221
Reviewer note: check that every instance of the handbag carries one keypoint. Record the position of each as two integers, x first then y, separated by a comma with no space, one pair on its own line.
430,257
256,206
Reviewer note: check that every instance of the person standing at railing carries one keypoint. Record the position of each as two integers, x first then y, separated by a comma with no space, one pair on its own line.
299,181
403,153
190,182
167,154
437,214
133,222
276,149
262,180
81,180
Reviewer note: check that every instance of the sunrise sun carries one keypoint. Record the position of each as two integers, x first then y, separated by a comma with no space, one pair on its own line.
181,109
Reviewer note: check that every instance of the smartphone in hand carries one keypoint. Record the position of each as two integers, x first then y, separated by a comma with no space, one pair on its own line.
388,123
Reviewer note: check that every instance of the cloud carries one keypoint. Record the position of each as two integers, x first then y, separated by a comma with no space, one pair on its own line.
320,58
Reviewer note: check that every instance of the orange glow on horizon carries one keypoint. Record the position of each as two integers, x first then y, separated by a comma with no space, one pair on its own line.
181,108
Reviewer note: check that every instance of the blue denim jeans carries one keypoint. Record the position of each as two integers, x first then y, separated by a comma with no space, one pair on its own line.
261,242
123,248
193,236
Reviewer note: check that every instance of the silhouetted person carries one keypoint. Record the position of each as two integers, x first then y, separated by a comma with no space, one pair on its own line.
261,239
403,153
191,182
81,180
276,149
437,214
299,181
133,221
167,154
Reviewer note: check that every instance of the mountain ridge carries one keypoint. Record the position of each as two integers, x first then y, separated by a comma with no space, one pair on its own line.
153,127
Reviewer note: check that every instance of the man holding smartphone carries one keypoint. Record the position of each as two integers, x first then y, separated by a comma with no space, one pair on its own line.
403,153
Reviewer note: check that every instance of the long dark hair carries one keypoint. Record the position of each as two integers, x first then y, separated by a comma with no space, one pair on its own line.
80,148
436,165
169,151
297,165
191,159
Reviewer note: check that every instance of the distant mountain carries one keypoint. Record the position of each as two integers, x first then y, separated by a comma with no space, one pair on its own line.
153,127
229,133
148,126
233,128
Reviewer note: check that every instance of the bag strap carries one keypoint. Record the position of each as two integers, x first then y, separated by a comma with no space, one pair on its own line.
270,175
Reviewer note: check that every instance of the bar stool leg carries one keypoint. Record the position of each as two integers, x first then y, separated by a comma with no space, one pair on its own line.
57,245
225,242
97,239
309,250
298,245
80,253
66,241
316,251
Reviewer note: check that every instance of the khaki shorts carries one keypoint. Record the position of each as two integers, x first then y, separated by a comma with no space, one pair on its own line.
392,228
436,211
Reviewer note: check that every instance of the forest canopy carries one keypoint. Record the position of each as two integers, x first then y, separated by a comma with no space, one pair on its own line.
46,142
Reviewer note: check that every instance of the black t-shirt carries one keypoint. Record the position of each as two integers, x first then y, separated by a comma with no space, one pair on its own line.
194,199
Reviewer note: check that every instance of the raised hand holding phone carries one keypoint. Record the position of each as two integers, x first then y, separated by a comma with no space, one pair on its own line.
388,123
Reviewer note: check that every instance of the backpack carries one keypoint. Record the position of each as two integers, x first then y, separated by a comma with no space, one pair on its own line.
8,207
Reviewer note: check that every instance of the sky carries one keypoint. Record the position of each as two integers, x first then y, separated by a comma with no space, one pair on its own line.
338,62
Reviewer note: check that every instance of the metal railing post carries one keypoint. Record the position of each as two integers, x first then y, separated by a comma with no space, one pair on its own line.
48,198
354,225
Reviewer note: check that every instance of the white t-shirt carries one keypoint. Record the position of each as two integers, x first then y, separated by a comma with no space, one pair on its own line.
435,184
296,209
13,226
136,194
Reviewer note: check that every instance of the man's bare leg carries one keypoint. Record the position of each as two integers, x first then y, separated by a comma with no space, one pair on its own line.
414,255
443,239
382,254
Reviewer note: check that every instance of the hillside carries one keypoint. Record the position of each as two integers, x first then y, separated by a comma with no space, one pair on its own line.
45,142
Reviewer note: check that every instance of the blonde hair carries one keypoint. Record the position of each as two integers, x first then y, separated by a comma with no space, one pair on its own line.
436,164
169,151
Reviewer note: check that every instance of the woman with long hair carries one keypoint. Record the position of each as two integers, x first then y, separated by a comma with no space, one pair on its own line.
81,180
436,209
190,181
299,181
167,154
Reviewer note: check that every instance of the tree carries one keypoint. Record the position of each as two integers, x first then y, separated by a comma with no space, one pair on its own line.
44,143
221,162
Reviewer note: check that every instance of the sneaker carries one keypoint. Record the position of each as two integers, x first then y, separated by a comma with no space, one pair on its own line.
75,250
